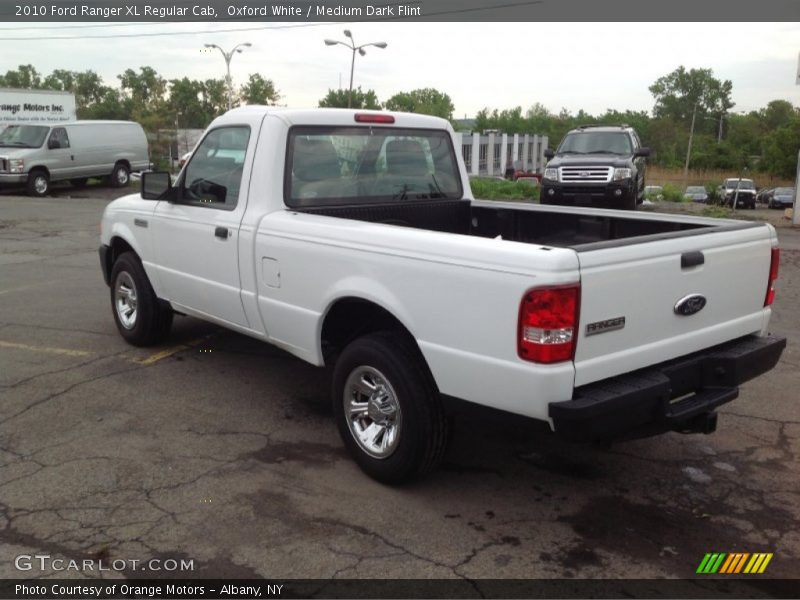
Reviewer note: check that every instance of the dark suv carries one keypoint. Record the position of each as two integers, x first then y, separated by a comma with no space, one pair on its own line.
596,165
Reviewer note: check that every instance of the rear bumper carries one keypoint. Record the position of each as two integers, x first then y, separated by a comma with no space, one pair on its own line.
678,395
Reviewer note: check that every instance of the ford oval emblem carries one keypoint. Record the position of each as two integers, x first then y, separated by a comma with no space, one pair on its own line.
689,305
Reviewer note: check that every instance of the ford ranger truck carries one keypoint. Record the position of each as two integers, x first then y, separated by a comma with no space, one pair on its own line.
596,165
351,239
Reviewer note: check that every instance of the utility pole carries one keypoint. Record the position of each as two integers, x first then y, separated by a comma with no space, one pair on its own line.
228,56
689,148
353,48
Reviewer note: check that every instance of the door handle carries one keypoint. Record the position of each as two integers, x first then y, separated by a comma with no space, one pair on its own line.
221,232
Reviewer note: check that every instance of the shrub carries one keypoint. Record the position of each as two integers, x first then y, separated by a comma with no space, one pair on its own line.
501,189
672,193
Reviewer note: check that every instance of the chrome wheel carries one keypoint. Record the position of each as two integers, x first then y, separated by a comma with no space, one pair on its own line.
40,184
372,412
125,301
122,176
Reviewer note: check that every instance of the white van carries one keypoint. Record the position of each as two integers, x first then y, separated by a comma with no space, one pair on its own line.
35,155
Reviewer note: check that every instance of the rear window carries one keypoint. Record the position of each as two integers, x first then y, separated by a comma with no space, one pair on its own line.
362,165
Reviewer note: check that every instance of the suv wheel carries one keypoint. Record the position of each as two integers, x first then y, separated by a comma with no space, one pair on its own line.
38,183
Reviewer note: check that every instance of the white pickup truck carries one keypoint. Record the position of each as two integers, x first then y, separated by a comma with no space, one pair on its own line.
351,239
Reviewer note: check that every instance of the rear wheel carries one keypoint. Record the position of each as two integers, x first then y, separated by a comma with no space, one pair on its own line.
141,318
38,183
120,176
387,408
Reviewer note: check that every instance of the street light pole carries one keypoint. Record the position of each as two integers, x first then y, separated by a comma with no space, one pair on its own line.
228,56
689,148
353,48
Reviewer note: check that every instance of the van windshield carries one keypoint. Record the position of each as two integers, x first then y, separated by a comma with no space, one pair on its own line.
23,136
356,165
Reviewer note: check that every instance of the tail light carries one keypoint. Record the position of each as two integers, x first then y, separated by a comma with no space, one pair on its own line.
775,259
548,324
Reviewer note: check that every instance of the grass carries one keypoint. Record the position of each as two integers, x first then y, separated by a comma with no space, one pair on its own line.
485,188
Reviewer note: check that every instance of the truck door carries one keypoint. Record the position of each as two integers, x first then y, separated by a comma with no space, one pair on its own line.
196,236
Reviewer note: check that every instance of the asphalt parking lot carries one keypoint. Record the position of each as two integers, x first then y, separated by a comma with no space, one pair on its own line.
220,449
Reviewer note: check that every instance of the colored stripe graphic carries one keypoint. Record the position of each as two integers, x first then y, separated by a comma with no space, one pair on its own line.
733,563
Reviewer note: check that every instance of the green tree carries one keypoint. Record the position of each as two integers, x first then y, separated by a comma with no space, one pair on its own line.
258,90
147,89
26,77
215,97
778,113
339,99
781,148
426,101
677,93
185,103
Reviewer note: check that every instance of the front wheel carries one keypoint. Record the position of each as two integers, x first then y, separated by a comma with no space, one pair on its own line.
387,408
38,183
141,318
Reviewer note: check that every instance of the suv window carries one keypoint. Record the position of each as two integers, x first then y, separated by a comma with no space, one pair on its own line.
214,174
350,165
596,142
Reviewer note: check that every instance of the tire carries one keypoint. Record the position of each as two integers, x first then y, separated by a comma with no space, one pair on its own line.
38,183
413,438
141,318
120,176
79,182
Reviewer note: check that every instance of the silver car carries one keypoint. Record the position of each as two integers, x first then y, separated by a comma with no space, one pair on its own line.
35,155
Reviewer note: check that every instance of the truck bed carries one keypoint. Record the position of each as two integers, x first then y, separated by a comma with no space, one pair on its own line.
579,229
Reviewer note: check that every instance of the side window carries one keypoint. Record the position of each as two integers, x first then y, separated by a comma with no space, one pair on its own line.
213,177
58,138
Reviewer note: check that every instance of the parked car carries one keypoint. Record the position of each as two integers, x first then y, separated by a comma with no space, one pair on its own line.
37,155
742,190
696,193
419,297
763,195
782,198
596,165
654,192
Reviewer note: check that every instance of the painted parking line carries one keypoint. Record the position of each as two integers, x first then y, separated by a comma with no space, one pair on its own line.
167,352
44,349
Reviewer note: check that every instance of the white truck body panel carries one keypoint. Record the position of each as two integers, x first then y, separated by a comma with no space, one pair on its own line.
280,271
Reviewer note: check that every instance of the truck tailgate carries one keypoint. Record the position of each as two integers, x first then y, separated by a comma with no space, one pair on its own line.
643,283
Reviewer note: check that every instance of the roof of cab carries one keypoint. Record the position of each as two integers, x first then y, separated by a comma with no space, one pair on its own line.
330,116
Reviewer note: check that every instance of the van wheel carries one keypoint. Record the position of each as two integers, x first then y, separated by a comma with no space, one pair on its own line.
387,408
38,183
79,182
120,176
141,318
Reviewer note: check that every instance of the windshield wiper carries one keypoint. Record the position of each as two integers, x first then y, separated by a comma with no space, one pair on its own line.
602,152
435,189
402,194
15,144
571,152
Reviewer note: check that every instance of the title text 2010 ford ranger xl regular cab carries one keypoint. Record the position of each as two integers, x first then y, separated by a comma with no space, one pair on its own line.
351,239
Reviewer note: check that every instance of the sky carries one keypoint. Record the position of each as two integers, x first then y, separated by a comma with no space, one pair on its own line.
593,66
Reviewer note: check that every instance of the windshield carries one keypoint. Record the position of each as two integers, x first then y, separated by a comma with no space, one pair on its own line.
695,189
356,165
595,142
784,192
23,136
744,184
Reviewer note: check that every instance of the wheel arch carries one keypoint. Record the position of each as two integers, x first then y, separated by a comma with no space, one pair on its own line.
349,317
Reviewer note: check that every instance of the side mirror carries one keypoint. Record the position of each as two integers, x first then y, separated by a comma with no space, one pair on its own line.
643,152
548,154
155,184
53,144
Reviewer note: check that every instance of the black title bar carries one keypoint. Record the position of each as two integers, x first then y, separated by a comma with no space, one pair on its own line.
109,11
